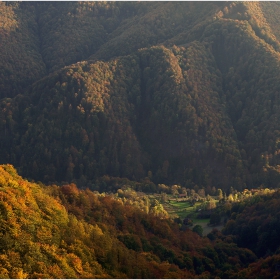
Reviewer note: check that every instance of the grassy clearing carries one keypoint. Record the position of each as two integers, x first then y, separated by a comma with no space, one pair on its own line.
196,221
180,204
181,208
184,209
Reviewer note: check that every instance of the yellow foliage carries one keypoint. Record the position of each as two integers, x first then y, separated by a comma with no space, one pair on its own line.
4,273
75,262
56,272
44,234
8,20
18,273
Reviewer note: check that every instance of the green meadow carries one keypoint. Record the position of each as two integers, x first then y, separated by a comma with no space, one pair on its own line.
185,209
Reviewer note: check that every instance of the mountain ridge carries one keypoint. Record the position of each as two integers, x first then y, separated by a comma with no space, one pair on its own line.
189,108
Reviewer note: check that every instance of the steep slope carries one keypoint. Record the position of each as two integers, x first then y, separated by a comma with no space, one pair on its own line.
72,31
40,37
21,62
198,104
160,22
152,111
33,233
251,88
81,116
181,104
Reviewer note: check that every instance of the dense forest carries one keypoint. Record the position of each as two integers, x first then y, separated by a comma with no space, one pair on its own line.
101,101
63,232
183,92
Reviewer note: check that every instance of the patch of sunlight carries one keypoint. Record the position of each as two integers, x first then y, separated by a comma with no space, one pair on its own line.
8,20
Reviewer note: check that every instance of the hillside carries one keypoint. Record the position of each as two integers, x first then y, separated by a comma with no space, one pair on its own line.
62,232
182,92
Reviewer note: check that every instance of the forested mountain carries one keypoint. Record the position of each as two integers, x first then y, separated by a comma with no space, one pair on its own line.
104,102
177,92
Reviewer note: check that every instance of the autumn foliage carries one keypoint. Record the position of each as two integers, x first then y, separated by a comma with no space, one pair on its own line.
133,90
100,100
64,232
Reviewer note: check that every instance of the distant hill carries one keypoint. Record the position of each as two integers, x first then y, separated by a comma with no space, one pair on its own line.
180,92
